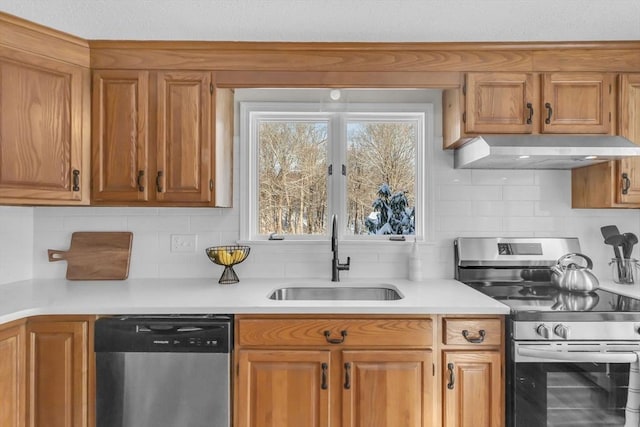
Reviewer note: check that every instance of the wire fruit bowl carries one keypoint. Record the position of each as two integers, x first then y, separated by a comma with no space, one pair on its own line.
228,256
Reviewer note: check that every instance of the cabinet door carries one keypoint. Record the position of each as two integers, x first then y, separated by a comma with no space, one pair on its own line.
41,131
283,388
499,102
120,136
387,388
12,384
628,176
57,374
577,103
473,392
184,137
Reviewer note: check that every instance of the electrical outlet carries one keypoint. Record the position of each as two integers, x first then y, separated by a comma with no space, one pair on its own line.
183,243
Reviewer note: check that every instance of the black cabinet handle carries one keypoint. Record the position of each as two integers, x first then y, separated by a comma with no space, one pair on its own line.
139,181
324,385
347,376
452,378
76,180
626,183
478,340
159,182
530,108
327,336
549,113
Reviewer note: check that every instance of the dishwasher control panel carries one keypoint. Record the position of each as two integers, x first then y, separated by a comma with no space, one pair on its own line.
200,334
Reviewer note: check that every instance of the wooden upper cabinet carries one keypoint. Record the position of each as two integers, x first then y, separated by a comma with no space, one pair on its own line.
120,136
43,142
161,138
614,184
184,137
577,102
500,102
628,170
528,103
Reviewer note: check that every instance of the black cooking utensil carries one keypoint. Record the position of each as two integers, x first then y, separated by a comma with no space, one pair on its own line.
630,240
616,240
609,230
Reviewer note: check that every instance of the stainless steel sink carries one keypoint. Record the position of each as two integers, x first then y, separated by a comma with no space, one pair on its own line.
336,293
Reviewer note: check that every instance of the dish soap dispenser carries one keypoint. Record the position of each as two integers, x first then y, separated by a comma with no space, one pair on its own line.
415,266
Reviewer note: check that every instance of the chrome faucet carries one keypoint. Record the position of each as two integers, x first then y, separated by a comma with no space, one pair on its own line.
335,262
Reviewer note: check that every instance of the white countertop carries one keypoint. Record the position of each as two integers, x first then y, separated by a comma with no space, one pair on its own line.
188,296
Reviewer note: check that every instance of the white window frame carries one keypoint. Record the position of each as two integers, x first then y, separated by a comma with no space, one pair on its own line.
252,112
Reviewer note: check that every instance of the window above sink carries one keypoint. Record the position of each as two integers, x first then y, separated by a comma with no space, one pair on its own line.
303,162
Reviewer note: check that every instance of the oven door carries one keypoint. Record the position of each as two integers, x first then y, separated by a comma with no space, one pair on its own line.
569,384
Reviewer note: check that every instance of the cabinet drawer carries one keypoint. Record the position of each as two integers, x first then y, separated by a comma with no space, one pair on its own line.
343,332
472,331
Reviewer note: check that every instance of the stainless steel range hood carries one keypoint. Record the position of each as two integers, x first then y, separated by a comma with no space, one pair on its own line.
541,152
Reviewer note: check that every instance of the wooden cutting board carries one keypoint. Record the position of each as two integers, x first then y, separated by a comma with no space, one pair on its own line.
96,255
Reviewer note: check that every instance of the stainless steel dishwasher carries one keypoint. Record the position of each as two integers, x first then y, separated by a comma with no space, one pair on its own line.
163,371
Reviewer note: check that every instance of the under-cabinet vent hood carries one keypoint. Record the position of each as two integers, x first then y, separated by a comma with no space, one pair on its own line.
541,152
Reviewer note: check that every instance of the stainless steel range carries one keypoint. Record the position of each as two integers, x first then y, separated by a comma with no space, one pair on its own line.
568,354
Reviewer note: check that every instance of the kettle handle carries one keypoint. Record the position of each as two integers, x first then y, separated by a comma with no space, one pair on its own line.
576,254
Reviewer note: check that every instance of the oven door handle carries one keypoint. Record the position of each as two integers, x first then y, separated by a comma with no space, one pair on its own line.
593,356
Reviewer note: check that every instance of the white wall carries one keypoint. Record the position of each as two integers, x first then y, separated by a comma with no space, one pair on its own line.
337,20
16,243
466,203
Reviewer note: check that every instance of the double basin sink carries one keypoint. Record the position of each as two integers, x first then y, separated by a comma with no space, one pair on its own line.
336,293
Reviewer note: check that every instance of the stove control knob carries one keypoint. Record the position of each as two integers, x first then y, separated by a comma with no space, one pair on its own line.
562,331
543,330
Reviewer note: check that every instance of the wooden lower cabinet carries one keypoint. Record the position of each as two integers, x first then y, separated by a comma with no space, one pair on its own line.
472,371
387,388
12,374
332,372
58,372
283,388
472,384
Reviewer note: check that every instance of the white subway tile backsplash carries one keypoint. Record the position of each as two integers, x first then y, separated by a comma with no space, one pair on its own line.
502,177
469,192
94,223
525,192
503,209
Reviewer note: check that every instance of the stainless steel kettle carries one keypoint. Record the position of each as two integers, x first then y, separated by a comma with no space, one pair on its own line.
572,277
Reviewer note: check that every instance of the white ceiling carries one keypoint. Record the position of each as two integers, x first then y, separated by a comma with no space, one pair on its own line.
337,20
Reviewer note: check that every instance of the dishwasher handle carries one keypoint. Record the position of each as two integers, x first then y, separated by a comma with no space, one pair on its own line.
173,329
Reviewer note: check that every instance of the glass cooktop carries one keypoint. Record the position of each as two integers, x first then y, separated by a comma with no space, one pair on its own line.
544,301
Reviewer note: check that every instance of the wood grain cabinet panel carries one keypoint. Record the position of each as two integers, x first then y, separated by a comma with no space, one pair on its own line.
184,137
57,372
500,102
473,395
42,144
12,375
387,388
358,332
528,103
477,332
161,138
290,374
280,388
577,102
120,136
472,369
614,184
